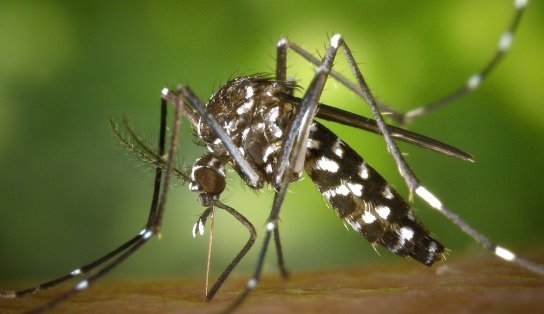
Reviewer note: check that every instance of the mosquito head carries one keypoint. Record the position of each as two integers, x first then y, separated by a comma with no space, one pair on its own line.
208,179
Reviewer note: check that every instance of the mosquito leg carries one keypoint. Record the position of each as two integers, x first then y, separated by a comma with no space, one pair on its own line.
155,214
84,284
281,75
252,236
270,226
472,83
279,252
158,171
121,253
474,80
497,250
75,273
154,222
200,227
281,59
411,181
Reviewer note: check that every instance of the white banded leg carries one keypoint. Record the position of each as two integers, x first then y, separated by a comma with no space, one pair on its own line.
128,248
472,82
499,251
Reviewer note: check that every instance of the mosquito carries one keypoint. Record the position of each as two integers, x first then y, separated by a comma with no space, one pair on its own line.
268,135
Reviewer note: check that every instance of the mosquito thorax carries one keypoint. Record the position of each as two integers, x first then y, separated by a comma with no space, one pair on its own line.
251,111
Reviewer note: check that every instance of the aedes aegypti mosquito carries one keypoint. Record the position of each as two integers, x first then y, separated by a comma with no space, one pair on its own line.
262,130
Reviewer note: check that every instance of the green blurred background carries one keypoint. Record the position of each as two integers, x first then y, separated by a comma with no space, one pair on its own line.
69,192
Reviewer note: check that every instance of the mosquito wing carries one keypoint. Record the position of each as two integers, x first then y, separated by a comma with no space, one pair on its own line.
348,118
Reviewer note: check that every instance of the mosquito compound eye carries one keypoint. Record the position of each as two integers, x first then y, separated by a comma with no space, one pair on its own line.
208,176
210,180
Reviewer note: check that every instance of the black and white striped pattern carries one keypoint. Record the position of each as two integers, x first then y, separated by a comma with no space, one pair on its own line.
363,198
